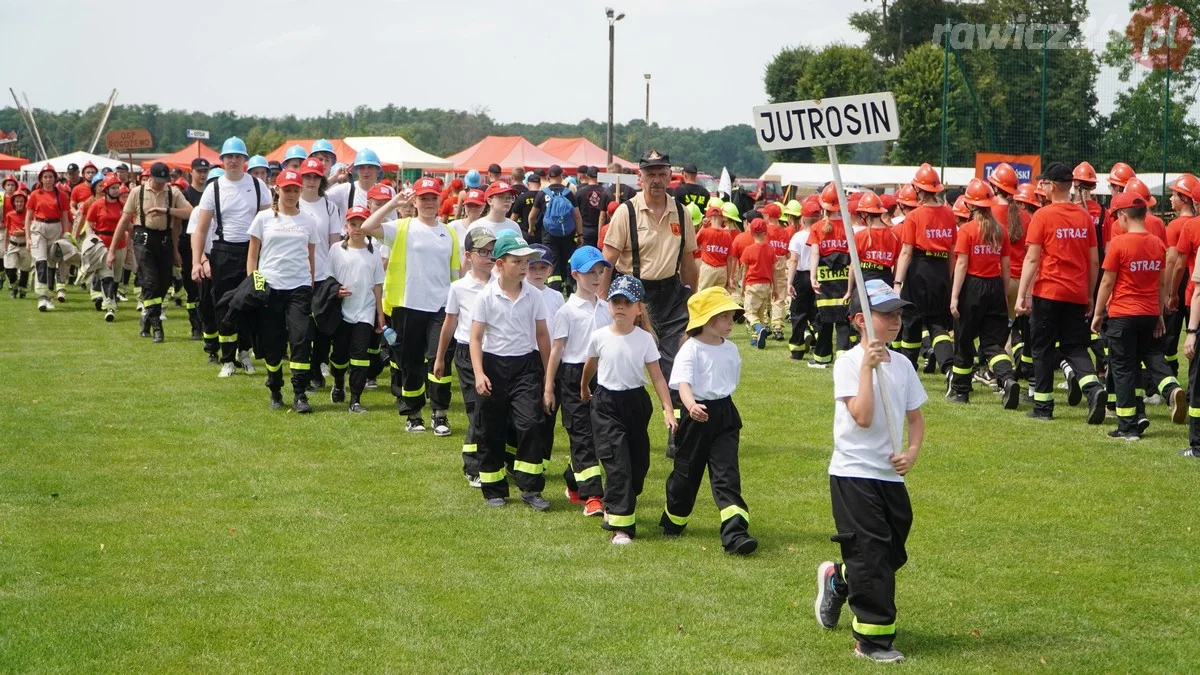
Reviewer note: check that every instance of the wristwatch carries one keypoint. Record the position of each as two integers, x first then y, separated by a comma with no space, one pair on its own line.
1190,331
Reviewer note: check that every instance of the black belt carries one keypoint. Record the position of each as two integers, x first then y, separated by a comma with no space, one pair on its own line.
49,222
921,253
238,246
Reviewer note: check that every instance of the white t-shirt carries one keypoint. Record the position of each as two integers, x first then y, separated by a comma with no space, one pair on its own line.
511,324
237,206
325,215
800,246
360,271
427,264
283,257
712,371
575,321
461,301
554,300
864,453
340,193
191,229
623,358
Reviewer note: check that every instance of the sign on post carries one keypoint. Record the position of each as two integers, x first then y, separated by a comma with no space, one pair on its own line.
128,139
197,133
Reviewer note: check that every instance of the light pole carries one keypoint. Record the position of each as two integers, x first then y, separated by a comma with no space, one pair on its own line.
613,18
646,137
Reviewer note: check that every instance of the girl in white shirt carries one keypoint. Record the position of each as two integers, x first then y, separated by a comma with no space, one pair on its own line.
356,265
706,373
473,205
282,251
620,356
329,231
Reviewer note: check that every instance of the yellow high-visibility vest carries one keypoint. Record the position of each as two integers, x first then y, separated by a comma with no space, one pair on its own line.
396,276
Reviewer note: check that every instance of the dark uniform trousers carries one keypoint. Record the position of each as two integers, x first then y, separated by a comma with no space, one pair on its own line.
833,326
1055,321
227,262
417,336
322,347
928,287
1022,346
516,399
1175,321
801,313
583,474
983,314
283,323
155,261
191,289
466,380
712,444
1194,403
873,518
666,301
562,247
352,344
208,316
619,426
1131,343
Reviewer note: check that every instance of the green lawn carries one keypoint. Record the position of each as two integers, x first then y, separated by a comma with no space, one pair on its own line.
154,518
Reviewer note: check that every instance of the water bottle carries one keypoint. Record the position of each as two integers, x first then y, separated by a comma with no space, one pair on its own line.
389,335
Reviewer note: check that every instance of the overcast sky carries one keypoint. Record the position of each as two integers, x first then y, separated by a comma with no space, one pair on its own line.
523,61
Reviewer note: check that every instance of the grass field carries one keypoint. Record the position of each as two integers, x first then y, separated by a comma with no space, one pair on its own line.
155,518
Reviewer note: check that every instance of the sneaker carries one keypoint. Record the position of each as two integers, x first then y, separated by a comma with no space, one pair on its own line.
1074,393
1012,395
110,316
371,385
337,394
301,404
828,605
276,398
98,303
325,372
777,335
949,383
1125,435
744,546
1190,452
1179,406
316,383
42,305
62,295
415,425
953,397
1154,399
572,496
1039,415
441,425
984,377
121,297
494,502
621,539
213,360
1142,425
878,655
818,366
473,480
593,507
1096,404
158,334
760,337
930,366
246,361
197,334
535,500
797,356
227,370
357,408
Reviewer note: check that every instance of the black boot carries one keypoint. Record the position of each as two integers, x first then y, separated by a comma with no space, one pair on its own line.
276,399
144,323
300,403
194,320
158,331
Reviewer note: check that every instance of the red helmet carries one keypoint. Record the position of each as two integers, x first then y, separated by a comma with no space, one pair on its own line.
869,202
960,207
907,196
979,194
1186,185
1084,173
1137,187
927,179
47,168
1027,193
1120,174
1004,179
109,181
829,198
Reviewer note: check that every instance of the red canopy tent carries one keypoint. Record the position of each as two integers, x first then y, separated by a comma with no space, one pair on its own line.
10,163
576,152
508,152
345,153
182,159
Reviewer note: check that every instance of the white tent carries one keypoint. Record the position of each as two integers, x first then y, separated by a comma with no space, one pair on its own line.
862,175
60,163
396,150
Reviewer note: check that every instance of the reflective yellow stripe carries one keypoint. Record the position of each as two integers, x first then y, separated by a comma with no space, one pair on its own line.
678,413
961,371
553,279
1025,358
997,359
189,305
1043,398
152,302
439,380
594,471
1171,357
337,366
839,353
795,348
296,365
415,392
491,476
910,345
678,520
924,334
372,351
621,521
361,363
469,448
1126,412
1193,412
275,368
872,629
1162,386
1017,347
731,511
1088,379
545,465
1140,393
528,467
830,302
211,336
511,450
228,338
1095,336
1112,397
95,295
940,339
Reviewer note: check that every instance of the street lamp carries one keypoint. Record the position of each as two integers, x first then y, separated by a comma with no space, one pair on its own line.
613,18
646,138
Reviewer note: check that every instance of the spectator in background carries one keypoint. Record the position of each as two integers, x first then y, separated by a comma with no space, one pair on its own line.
559,224
524,204
689,191
493,173
627,189
592,200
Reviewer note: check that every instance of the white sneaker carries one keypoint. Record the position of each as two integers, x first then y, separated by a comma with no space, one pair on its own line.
162,312
325,372
140,306
621,539
1154,399
227,370
41,304
247,362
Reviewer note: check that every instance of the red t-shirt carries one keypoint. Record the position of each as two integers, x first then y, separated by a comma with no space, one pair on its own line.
14,222
103,216
877,247
831,242
1016,249
1137,259
81,193
1065,232
1174,229
1153,224
983,259
713,245
1189,241
741,241
931,229
448,206
47,205
600,241
778,238
759,259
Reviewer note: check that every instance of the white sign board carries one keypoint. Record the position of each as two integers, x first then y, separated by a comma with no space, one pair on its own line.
832,121
606,178
197,133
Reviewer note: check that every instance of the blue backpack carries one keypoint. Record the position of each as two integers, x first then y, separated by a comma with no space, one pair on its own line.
559,220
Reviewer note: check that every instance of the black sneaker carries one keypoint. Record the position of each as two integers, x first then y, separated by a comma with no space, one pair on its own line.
1036,414
930,365
953,397
535,500
949,383
301,405
213,359
1074,393
337,394
830,598
276,400
441,424
158,333
1012,395
878,655
1142,425
1125,435
99,304
357,408
744,546
1097,400
197,334
777,335
1190,452
415,425
495,502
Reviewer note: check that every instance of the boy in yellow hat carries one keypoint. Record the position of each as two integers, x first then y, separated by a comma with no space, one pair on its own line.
706,372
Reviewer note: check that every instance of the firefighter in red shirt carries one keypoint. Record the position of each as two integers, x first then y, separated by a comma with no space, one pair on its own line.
1184,206
1009,212
713,240
46,221
829,274
777,237
17,261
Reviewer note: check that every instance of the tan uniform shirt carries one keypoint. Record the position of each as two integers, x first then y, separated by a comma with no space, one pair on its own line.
168,197
658,242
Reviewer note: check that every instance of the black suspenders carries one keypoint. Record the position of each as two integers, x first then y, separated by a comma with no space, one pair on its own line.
633,238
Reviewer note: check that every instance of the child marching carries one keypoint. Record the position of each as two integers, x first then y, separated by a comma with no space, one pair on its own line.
358,267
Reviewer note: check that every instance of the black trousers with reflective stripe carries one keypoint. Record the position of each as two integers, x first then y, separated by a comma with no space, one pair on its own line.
283,323
351,351
208,316
928,287
873,518
983,314
191,289
619,425
227,262
577,419
801,311
322,346
1194,403
562,247
712,445
472,440
155,261
417,336
830,315
1174,321
1055,321
1130,341
1022,346
517,400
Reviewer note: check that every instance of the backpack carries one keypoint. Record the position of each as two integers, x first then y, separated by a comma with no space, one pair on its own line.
559,220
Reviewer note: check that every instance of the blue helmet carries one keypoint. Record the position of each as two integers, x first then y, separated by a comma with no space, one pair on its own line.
234,146
321,145
571,180
367,157
216,173
97,178
473,179
295,152
257,162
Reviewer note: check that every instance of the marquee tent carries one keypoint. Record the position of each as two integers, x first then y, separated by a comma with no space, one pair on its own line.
507,151
576,152
60,163
10,163
345,153
182,159
396,150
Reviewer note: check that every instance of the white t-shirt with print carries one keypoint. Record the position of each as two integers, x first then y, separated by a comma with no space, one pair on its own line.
283,257
360,271
622,358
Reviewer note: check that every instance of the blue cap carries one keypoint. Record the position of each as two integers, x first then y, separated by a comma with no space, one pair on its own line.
630,287
881,296
572,181
586,257
97,178
547,256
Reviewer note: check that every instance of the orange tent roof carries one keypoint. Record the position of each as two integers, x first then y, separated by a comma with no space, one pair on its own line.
507,151
578,152
345,153
10,163
182,159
